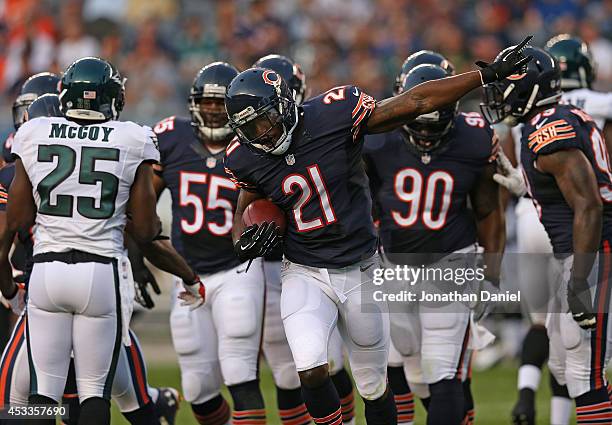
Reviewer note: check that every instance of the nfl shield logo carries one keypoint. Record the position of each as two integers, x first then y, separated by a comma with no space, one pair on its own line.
211,162
290,159
426,158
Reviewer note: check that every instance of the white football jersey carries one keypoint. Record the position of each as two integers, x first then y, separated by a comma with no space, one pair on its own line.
81,179
597,104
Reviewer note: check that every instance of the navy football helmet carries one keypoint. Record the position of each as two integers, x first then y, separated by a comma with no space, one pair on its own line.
428,131
422,57
206,101
262,111
512,99
36,85
47,105
290,71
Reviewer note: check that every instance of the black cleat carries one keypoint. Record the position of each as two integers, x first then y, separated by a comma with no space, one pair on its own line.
167,405
523,413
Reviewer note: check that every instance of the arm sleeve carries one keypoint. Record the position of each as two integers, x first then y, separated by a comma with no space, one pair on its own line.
344,108
3,197
237,174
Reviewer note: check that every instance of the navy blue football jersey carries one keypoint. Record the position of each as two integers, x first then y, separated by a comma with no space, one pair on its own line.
320,182
422,200
22,256
560,128
203,197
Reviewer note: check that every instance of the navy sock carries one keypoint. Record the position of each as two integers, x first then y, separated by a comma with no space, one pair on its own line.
446,404
323,403
381,411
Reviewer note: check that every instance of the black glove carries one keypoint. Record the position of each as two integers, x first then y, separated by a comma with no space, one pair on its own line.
257,241
142,278
580,303
506,65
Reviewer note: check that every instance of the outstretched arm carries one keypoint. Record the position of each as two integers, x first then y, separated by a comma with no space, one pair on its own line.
432,95
424,98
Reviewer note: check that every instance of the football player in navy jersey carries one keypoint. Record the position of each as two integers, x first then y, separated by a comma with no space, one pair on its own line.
566,163
275,346
139,403
218,342
307,160
422,177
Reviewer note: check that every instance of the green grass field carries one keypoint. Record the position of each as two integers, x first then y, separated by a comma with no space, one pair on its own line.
494,393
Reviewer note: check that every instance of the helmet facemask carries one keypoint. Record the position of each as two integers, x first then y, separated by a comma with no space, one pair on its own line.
428,131
208,113
268,130
21,106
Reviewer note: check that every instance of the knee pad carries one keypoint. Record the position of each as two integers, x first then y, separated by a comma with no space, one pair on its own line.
238,370
557,370
370,373
199,387
420,390
239,316
571,334
286,377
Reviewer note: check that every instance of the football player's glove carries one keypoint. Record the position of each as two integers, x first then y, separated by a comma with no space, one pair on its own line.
257,241
481,309
506,65
580,303
142,279
17,302
194,295
509,177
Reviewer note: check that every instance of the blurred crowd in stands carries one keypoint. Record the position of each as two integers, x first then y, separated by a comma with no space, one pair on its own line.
160,44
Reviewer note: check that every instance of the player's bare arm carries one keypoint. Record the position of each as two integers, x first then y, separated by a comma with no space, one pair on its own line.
244,199
158,182
20,213
162,255
144,224
432,95
491,224
576,180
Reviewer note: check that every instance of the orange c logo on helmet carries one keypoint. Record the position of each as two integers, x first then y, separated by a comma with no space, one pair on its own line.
274,81
515,77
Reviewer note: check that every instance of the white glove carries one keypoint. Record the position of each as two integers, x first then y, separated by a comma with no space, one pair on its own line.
194,294
18,302
481,309
509,177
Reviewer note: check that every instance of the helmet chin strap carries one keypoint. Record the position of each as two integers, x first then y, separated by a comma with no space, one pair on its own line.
285,140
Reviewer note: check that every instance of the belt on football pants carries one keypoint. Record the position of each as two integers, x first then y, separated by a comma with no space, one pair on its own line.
73,256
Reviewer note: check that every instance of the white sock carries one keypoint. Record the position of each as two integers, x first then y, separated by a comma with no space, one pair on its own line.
351,422
560,410
153,393
529,377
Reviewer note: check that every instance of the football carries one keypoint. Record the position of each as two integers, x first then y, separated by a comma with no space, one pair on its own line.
263,210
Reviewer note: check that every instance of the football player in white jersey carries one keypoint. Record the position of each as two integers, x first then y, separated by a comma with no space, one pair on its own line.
577,77
77,179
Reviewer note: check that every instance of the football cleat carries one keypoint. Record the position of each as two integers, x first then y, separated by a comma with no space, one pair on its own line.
167,404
